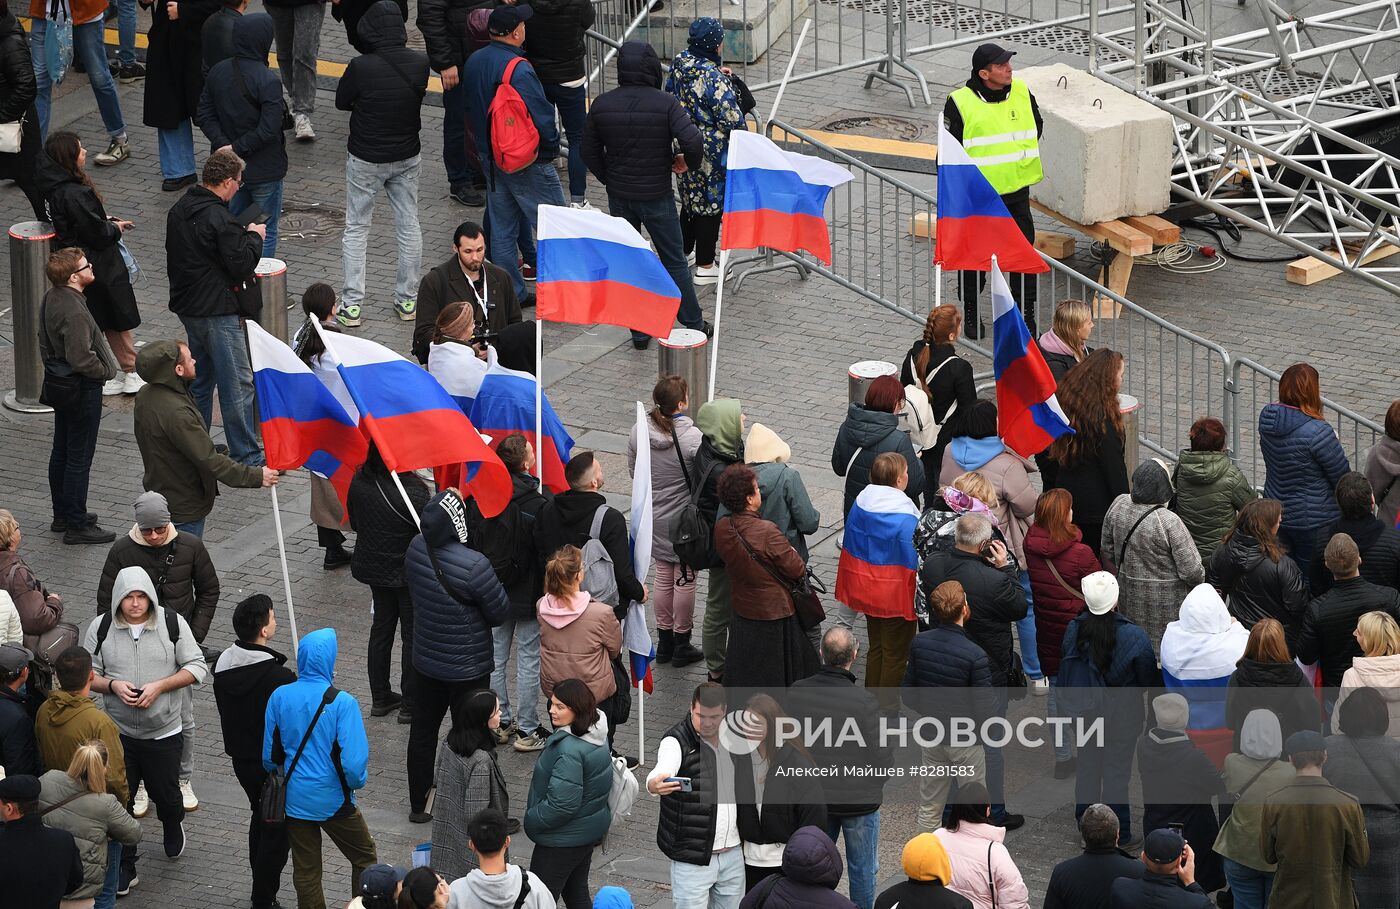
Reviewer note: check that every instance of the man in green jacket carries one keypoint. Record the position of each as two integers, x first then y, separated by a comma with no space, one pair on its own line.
178,456
70,717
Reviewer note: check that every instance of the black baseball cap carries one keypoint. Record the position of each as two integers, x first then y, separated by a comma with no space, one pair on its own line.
989,54
378,883
504,19
1164,846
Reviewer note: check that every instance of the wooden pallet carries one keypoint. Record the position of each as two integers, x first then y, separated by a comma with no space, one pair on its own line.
1127,237
1312,270
1055,245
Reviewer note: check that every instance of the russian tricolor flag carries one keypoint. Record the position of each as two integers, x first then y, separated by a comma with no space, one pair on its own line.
775,198
973,223
876,574
505,403
1028,416
596,268
412,419
459,370
303,425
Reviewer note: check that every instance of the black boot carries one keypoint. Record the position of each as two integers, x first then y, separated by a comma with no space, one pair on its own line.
666,645
685,653
337,556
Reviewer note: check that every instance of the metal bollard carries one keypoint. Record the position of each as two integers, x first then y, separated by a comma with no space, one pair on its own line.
272,282
1131,409
861,374
684,353
29,252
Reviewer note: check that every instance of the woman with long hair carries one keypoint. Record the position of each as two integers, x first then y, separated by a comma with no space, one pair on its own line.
1210,489
384,525
77,800
1378,667
468,780
1251,570
18,92
1302,461
1066,344
1089,461
1266,677
80,220
674,440
1383,467
933,365
579,636
983,870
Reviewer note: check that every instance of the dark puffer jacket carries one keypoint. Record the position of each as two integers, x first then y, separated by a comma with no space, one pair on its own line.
17,93
685,828
1280,688
865,435
207,251
1055,607
1303,462
383,89
227,112
1132,667
444,27
383,527
811,870
1210,491
1256,587
1380,553
944,657
554,39
452,640
1328,623
628,136
191,585
994,595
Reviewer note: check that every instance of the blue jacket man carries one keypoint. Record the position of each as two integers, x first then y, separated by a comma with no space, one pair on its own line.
335,762
484,70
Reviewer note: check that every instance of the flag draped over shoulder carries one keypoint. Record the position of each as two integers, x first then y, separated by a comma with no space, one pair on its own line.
973,223
875,574
505,403
1029,417
775,198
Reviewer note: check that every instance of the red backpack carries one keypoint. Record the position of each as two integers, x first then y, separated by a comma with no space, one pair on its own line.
515,143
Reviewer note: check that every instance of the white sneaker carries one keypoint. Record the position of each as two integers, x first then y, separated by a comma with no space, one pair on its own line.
304,131
707,275
132,383
690,257
585,205
114,387
1040,687
187,794
141,804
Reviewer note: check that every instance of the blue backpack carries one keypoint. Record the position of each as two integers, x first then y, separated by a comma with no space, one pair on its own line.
1080,689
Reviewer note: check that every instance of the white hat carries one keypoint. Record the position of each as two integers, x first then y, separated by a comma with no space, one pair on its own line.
1100,592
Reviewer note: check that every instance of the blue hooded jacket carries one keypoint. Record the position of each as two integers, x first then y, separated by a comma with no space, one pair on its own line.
974,454
1303,462
336,759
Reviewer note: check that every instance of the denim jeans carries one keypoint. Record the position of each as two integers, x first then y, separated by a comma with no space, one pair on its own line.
572,104
363,181
663,225
454,137
996,763
524,240
1025,633
514,200
70,460
107,898
268,196
718,885
192,527
126,32
87,47
527,671
862,834
298,32
1250,887
1064,746
220,351
176,151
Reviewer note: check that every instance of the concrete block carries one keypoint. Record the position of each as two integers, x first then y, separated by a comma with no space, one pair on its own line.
751,27
1102,160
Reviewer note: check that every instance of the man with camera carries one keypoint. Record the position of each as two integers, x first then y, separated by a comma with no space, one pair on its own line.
466,277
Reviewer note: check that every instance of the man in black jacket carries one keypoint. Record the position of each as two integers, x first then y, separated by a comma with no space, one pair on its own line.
556,50
383,89
1169,880
1327,636
443,24
983,568
38,863
244,678
1083,882
241,109
629,143
466,277
207,252
19,749
1379,544
568,520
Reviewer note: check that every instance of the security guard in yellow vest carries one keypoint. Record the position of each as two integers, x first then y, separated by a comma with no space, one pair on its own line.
996,119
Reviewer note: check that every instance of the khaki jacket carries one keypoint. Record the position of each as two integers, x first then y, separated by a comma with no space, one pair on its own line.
1316,835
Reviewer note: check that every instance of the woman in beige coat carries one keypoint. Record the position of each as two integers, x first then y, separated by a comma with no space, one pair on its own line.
78,801
1379,637
579,636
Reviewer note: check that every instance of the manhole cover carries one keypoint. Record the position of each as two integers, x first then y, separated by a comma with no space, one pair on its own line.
311,221
880,127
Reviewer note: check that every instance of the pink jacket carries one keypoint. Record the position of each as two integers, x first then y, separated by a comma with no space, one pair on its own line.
971,847
578,639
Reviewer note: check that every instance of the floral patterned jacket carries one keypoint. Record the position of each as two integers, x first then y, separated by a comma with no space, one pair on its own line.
709,99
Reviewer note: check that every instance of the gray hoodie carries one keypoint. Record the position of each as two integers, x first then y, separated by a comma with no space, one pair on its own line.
146,659
479,890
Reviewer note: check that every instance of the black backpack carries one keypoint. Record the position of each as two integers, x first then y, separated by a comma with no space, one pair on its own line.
507,540
692,533
172,627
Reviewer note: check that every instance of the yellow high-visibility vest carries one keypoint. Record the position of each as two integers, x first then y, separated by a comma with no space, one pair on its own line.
1001,137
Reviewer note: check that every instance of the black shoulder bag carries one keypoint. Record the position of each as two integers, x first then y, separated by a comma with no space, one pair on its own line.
802,591
1123,552
273,803
692,535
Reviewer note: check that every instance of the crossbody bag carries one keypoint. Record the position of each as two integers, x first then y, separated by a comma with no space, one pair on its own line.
1068,589
806,604
1123,551
273,801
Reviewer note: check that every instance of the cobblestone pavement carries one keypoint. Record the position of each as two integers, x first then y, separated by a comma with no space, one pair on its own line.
786,345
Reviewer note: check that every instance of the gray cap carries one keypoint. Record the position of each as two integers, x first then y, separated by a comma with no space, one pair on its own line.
13,658
152,511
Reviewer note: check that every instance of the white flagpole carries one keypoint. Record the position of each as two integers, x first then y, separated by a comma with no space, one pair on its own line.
412,510
787,74
539,400
641,723
286,576
937,285
719,305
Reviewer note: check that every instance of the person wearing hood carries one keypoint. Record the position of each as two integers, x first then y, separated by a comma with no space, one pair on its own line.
18,91
1383,467
1083,882
245,677
142,656
1328,635
495,883
1365,761
870,430
175,79
457,600
1179,782
567,812
579,636
983,870
177,455
1303,461
76,799
1378,667
1251,775
1157,561
241,108
1266,677
1066,344
807,878
929,872
629,143
1210,489
334,763
80,220
69,717
1379,542
934,367
1199,653
1089,462
674,440
721,425
556,50
1253,572
383,90
208,253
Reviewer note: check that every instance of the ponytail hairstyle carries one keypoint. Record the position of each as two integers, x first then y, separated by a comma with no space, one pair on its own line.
89,766
317,301
942,321
669,392
455,320
561,569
